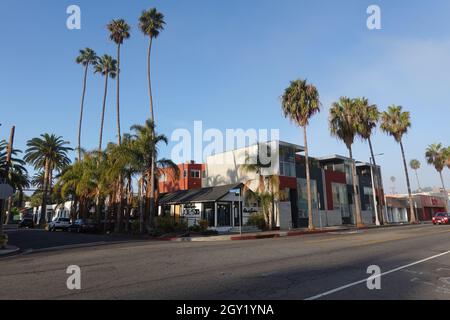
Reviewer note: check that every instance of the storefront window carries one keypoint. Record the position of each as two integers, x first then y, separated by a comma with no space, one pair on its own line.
303,197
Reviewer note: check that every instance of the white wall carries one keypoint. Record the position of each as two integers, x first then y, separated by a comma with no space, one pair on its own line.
224,168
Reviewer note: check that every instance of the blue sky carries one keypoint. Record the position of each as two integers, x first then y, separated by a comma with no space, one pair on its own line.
226,62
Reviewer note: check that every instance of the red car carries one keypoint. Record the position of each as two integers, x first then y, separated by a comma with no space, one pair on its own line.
441,218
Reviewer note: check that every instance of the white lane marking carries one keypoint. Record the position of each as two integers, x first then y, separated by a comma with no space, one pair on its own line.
374,277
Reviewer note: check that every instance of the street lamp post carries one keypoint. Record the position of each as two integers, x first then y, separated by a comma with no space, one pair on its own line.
375,202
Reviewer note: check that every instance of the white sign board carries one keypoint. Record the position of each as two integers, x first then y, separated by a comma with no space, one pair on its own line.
6,191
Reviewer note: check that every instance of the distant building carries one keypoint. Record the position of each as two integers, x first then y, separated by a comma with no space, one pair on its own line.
190,177
425,205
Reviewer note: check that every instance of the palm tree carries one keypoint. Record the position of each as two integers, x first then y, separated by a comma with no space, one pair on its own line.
415,165
344,117
86,58
14,173
107,67
396,123
437,156
268,186
300,102
145,146
47,153
151,24
369,117
119,31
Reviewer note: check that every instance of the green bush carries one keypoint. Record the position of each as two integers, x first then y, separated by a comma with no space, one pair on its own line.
195,228
135,227
209,233
165,223
203,225
257,220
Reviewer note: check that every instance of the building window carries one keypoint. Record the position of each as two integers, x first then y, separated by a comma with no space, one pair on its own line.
195,174
303,197
340,199
287,162
163,178
368,198
185,174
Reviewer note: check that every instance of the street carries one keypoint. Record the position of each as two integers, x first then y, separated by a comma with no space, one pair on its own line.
414,260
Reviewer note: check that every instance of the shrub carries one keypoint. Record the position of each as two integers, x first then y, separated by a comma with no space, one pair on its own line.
209,233
135,226
195,228
257,220
203,224
165,223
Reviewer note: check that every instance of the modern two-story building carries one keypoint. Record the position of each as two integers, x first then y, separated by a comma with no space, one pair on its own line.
279,167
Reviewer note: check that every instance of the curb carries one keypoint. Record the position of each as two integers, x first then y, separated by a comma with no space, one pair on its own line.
72,246
13,250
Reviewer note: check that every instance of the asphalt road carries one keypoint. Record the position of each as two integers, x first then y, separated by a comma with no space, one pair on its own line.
415,261
36,239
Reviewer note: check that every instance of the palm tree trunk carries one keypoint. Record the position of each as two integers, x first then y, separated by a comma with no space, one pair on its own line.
81,111
152,116
103,116
272,200
411,207
119,139
141,204
442,180
308,181
379,204
151,184
418,182
128,204
359,222
9,217
43,217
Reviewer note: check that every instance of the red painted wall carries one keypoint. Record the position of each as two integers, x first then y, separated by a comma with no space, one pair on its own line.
183,183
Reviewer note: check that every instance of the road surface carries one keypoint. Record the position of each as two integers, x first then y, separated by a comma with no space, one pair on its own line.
414,260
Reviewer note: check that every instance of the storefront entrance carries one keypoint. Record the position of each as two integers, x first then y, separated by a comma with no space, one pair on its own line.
224,215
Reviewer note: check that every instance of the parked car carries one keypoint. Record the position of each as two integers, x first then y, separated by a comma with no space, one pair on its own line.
441,218
59,224
26,223
82,225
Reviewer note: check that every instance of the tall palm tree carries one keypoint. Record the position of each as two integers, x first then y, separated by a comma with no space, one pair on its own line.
119,31
343,120
300,102
415,165
369,117
437,156
107,67
48,152
151,24
87,58
396,122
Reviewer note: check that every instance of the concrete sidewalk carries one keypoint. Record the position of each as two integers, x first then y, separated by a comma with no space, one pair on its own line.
279,234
